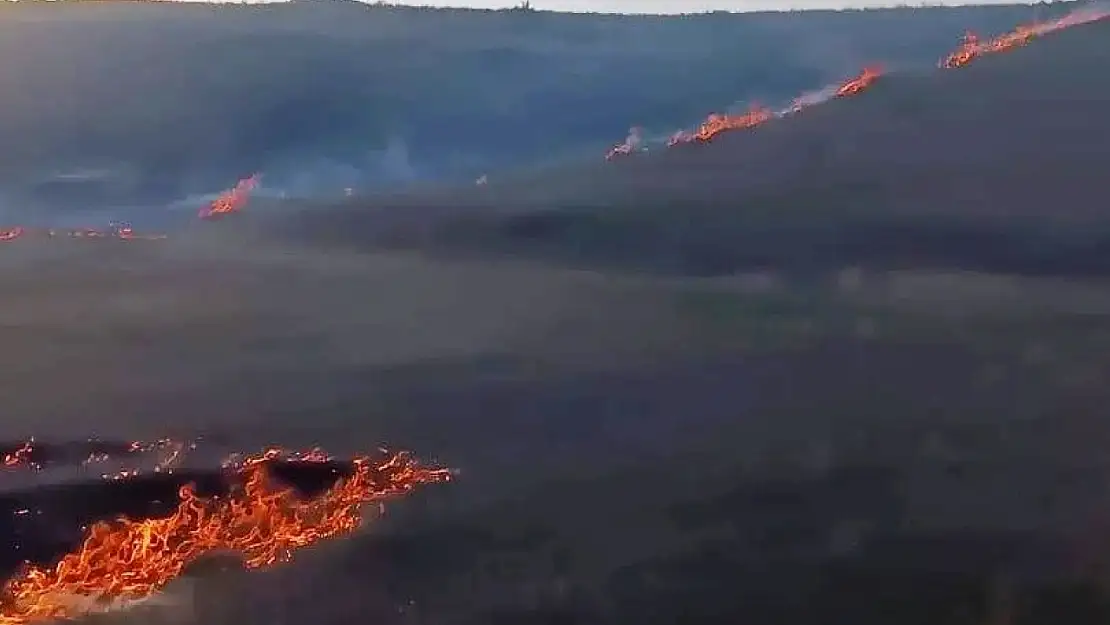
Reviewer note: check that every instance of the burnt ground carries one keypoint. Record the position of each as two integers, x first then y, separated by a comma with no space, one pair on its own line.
995,167
923,446
881,439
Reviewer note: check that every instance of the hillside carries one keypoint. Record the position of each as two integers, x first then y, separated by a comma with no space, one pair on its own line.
164,100
869,412
997,166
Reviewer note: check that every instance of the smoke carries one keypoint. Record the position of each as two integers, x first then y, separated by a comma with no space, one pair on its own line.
1083,15
810,98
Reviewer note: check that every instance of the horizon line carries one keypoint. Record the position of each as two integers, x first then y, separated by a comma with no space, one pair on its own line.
518,6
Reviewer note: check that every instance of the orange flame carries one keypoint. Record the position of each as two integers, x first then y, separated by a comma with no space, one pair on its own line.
757,115
21,456
972,47
860,83
717,123
232,200
130,560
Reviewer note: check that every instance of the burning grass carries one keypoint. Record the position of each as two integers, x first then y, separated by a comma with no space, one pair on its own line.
263,516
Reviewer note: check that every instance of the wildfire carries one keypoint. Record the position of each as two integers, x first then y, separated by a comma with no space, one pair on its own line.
756,115
130,560
859,83
972,47
717,123
232,200
271,454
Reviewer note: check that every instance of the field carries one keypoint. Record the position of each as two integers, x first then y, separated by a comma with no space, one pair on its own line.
848,368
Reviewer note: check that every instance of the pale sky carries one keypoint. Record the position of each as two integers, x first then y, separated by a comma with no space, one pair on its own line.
685,6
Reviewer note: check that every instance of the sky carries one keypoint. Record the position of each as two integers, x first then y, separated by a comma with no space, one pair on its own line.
684,6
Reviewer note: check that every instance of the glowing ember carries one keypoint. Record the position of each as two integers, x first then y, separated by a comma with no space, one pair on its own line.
232,200
21,456
131,560
34,455
972,47
316,454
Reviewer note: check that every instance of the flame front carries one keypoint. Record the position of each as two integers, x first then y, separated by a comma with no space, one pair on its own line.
232,200
756,115
717,123
131,560
860,83
972,47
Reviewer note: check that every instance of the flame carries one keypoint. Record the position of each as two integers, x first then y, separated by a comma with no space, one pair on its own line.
717,123
21,456
232,200
758,115
11,234
270,454
859,83
131,560
972,47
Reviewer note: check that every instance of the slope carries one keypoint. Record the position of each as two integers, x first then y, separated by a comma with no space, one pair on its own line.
999,165
173,99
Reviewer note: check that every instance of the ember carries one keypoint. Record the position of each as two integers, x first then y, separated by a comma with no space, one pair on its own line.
35,455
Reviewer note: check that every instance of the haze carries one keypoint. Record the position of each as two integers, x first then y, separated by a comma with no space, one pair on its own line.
684,6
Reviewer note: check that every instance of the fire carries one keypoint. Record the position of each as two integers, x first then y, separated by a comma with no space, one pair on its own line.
972,47
859,83
270,454
33,455
717,123
130,560
232,200
21,456
756,115
10,234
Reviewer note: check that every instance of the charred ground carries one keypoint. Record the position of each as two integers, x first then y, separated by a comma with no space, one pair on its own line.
995,167
871,438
